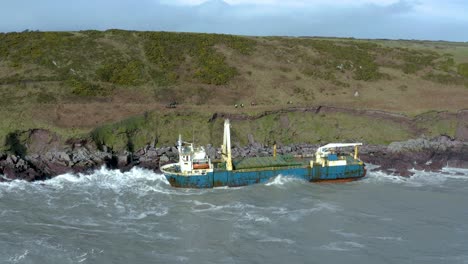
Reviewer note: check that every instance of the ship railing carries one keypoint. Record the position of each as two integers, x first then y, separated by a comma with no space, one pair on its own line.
270,168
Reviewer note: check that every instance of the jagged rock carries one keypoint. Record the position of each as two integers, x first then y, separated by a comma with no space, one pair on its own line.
11,160
62,158
9,173
257,146
163,160
211,151
123,160
21,165
162,151
173,150
152,153
55,168
420,154
172,155
441,143
150,159
47,156
140,152
80,154
286,149
458,159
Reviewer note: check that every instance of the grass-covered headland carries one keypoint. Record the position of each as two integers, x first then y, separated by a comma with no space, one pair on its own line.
114,87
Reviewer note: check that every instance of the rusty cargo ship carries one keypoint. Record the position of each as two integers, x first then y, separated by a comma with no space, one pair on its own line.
196,170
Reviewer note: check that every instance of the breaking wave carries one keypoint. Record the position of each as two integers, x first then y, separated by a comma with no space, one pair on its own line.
137,179
146,181
281,180
342,246
420,178
139,210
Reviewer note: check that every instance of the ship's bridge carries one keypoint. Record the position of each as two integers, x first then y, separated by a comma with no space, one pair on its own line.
326,155
191,159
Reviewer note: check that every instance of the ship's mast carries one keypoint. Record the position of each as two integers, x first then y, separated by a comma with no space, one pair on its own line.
226,147
179,147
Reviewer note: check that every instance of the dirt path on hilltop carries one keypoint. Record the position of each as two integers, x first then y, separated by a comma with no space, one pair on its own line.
404,120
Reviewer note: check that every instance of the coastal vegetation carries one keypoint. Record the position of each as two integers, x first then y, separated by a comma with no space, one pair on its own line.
113,86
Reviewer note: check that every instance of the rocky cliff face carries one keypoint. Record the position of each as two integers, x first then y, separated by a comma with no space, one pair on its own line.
419,154
39,154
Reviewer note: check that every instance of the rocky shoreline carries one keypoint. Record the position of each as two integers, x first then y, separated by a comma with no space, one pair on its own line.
43,156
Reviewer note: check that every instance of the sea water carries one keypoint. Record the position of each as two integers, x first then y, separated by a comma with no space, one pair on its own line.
137,217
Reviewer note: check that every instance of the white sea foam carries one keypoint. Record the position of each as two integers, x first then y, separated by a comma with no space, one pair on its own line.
106,179
276,240
81,256
342,246
137,180
206,207
166,236
345,234
296,215
241,212
281,180
19,257
390,238
250,213
144,181
102,178
256,218
420,178
137,215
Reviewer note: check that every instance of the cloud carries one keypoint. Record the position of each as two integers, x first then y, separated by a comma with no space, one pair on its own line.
284,3
409,19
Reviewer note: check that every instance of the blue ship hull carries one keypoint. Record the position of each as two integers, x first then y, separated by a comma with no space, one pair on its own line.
236,178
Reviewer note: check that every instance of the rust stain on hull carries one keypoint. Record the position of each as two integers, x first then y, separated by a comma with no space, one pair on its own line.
341,180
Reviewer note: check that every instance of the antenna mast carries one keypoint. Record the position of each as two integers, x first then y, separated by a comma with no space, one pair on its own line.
226,147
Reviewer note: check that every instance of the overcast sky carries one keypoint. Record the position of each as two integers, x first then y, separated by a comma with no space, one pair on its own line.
395,19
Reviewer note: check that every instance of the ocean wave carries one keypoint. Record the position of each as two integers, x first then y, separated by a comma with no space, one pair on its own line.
244,213
390,238
276,240
106,179
18,257
138,215
351,235
281,180
296,215
103,178
255,218
345,234
137,180
144,181
342,246
420,178
206,207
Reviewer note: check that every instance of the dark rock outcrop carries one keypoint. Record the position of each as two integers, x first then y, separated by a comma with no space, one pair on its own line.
419,154
43,155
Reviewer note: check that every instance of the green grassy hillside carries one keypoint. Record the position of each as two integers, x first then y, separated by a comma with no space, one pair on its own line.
92,83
